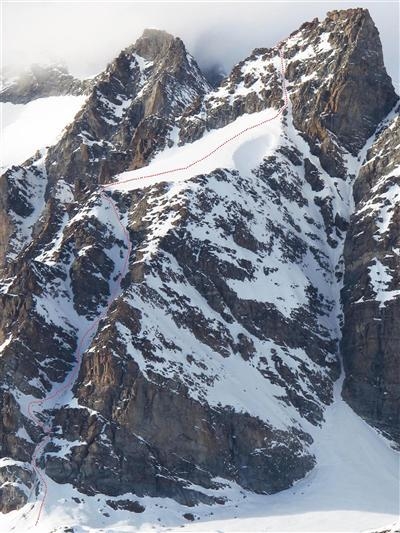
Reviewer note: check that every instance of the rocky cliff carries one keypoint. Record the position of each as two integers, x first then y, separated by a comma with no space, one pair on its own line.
178,332
372,286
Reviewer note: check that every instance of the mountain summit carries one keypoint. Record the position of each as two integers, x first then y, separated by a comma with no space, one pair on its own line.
185,271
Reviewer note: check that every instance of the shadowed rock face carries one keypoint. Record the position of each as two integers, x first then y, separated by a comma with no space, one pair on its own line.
347,92
154,44
194,373
161,437
371,296
128,116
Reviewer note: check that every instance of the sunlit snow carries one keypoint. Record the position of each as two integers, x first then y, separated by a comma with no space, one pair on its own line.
28,127
176,164
381,279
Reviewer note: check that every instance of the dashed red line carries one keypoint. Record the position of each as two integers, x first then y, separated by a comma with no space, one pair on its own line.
80,349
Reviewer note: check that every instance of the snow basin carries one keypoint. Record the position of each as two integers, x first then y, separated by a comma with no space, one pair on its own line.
27,127
240,145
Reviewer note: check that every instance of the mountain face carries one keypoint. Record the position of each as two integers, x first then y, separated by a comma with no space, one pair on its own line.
174,315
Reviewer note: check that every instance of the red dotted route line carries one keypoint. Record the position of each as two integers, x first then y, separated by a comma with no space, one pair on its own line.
80,349
73,375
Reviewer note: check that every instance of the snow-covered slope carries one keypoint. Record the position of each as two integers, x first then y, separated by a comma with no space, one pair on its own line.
240,145
354,486
29,127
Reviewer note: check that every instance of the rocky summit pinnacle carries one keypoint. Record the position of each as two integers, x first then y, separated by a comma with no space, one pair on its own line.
154,43
355,93
184,270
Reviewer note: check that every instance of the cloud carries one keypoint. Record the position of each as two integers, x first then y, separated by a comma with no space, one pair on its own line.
87,35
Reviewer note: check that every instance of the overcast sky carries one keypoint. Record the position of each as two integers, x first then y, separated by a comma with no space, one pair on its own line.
87,35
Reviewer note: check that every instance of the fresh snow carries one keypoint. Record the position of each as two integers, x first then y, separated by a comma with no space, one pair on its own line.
307,50
385,195
324,45
385,205
117,110
29,127
5,344
141,62
32,185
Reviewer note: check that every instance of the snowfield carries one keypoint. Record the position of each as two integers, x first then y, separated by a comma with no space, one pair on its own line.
250,138
354,486
26,128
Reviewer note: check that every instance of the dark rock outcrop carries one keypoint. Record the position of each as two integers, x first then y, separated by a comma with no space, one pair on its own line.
347,91
129,113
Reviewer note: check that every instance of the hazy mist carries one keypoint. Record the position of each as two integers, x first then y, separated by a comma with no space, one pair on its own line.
87,35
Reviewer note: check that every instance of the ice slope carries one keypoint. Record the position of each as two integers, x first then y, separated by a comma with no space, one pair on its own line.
26,128
354,488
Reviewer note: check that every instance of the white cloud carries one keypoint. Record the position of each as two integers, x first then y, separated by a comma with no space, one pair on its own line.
89,34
